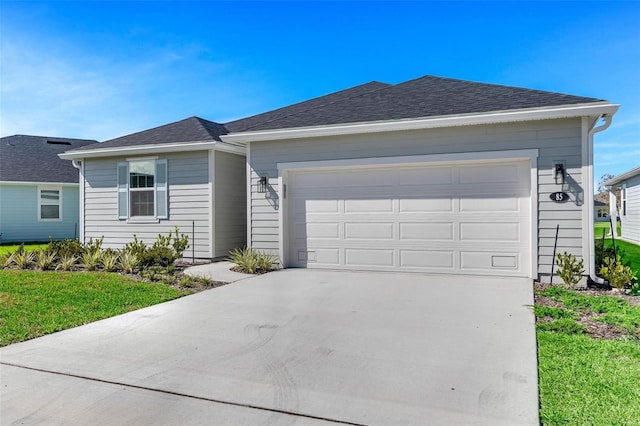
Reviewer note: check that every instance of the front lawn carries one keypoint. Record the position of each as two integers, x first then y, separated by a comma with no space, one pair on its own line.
588,357
599,226
10,248
33,303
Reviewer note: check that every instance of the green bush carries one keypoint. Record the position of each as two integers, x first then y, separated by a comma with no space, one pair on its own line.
45,260
110,260
253,261
21,258
164,251
569,268
66,248
608,251
67,262
616,273
129,261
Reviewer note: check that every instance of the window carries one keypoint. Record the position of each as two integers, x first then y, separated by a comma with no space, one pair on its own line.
49,204
142,189
623,193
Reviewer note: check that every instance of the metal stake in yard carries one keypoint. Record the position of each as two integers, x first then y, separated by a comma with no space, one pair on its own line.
193,241
553,260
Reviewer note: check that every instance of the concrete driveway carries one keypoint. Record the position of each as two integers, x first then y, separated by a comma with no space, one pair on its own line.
292,347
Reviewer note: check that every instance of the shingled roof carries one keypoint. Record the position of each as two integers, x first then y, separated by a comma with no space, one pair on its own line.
420,98
423,97
25,158
192,129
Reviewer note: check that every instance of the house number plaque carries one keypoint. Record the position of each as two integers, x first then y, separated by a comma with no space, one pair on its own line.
559,197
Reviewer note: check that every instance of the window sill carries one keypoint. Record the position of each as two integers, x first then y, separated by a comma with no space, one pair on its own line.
143,220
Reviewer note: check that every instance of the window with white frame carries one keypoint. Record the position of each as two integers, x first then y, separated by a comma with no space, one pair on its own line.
49,203
142,189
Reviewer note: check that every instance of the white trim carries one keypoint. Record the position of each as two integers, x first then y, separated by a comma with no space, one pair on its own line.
24,183
149,158
485,156
248,192
81,205
523,154
622,177
49,188
212,203
566,111
152,149
586,210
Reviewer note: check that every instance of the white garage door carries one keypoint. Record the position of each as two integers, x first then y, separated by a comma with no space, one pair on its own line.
463,218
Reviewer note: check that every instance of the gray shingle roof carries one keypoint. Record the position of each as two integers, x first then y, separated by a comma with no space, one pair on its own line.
192,129
423,97
25,158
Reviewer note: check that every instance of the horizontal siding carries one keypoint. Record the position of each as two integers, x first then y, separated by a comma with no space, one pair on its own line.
555,140
631,221
230,203
189,189
19,215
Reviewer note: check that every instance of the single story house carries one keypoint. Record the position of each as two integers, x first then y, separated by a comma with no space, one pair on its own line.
628,184
38,190
430,175
600,211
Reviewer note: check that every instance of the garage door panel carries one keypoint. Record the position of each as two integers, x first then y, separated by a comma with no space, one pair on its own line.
453,219
426,231
427,259
483,231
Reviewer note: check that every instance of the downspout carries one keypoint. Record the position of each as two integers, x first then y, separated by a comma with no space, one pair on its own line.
589,184
79,164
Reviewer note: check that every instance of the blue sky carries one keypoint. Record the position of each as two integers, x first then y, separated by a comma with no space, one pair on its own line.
104,69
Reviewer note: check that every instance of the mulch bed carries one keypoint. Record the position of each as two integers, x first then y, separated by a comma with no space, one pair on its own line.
594,328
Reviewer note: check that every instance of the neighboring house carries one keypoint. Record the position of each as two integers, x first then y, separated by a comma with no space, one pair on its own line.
179,174
628,185
600,211
38,190
431,175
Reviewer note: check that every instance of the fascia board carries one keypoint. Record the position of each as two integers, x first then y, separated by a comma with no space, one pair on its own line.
593,109
27,183
627,175
138,149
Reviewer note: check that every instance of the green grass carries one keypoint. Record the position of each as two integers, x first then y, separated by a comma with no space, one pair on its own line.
587,381
8,248
599,226
33,304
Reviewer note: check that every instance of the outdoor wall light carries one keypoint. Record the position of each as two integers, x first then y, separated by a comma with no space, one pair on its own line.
558,173
262,184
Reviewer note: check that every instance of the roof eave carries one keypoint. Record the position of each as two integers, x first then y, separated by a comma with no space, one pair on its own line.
153,149
595,109
624,176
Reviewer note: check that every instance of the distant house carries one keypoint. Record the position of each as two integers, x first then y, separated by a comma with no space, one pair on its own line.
38,190
600,211
629,211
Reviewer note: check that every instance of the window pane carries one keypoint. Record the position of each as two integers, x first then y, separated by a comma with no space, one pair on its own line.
49,212
141,174
49,195
142,203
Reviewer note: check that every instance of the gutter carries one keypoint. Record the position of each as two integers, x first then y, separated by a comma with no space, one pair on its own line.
589,181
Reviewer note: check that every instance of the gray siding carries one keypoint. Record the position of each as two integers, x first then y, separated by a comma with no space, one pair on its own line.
189,195
631,221
555,139
19,215
230,204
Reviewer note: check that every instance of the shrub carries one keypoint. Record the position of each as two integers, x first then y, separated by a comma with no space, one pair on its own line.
253,261
91,259
616,273
66,248
67,262
45,260
164,251
110,260
635,290
93,246
21,258
600,254
136,247
129,261
4,261
569,268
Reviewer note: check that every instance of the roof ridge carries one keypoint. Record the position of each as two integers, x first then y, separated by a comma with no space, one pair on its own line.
387,85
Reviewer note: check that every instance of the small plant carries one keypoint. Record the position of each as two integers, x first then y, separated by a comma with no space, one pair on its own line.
253,261
21,258
45,260
569,268
616,273
129,261
67,262
91,259
66,248
137,247
635,290
110,260
4,261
